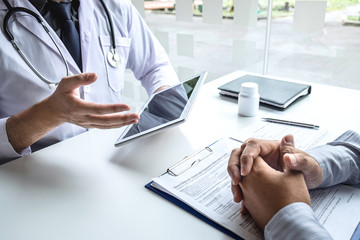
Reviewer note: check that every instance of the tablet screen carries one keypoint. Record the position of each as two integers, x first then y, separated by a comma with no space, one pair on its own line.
165,108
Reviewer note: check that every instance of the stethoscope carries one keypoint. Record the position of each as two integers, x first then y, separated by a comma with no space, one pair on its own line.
112,56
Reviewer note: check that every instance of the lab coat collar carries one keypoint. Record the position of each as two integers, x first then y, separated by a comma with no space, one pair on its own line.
29,23
39,4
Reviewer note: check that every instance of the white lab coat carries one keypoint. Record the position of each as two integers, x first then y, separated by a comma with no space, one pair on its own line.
20,88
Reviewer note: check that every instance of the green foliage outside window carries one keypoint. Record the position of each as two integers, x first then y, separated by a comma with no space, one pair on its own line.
281,8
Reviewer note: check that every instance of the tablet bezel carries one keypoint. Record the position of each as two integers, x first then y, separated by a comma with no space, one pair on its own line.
185,113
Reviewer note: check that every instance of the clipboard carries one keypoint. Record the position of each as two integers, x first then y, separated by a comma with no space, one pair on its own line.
189,162
192,211
181,167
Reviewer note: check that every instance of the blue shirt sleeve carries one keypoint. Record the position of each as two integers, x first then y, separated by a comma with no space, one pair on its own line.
296,221
340,163
339,160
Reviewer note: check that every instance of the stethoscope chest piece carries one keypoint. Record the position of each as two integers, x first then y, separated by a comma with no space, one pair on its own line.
114,58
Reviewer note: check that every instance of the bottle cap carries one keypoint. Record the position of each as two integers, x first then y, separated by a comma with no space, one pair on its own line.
249,88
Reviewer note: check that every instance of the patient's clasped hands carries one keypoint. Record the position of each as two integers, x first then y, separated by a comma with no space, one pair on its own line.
268,175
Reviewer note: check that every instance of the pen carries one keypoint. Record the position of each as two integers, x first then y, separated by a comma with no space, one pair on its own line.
299,124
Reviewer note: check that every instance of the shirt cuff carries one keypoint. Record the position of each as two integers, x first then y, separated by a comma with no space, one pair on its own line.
295,221
339,160
7,152
323,155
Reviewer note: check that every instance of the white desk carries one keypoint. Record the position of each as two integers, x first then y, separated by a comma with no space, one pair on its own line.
85,188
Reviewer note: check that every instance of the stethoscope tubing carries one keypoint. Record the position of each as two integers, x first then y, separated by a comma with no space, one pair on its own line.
107,12
12,10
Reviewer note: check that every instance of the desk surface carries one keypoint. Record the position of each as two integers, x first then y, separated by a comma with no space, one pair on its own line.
85,188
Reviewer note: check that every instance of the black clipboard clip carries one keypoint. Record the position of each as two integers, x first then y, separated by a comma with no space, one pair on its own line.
190,161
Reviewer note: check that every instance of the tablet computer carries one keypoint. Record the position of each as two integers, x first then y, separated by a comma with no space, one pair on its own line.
164,109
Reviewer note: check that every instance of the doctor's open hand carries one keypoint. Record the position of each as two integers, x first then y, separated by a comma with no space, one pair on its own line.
278,155
65,105
68,107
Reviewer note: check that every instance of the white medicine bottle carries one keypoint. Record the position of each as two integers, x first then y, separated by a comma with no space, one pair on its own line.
248,100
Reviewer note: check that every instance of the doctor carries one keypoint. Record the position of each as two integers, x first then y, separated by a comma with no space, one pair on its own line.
35,114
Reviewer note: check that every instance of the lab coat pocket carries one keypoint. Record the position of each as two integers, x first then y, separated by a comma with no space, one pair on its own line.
115,75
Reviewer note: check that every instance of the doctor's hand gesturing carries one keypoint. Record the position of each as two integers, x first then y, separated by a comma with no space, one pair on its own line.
68,107
65,105
279,155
